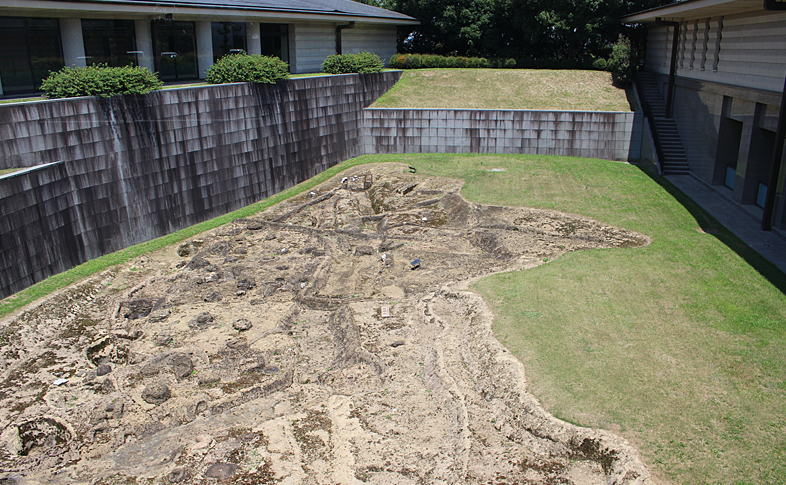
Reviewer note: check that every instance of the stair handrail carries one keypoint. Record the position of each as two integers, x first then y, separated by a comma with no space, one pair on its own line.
648,114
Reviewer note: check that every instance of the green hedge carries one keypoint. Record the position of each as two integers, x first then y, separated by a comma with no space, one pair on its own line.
99,80
244,68
362,62
423,61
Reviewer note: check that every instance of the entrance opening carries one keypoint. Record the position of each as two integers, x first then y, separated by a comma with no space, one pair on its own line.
174,45
32,50
727,152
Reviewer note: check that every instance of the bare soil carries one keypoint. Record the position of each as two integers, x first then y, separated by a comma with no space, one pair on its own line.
305,345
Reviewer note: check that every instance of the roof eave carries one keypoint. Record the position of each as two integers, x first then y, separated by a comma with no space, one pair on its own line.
692,9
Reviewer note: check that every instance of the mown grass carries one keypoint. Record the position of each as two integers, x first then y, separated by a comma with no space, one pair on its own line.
9,170
505,89
679,346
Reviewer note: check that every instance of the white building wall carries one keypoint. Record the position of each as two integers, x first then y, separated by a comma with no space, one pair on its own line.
751,51
310,44
379,39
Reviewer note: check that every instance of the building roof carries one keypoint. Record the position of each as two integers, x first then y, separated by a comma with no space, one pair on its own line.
694,9
300,9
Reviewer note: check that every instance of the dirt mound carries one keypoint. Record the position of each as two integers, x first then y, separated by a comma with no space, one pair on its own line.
329,340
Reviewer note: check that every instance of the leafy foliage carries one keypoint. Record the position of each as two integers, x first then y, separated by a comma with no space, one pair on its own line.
361,62
240,68
99,80
620,64
567,31
425,61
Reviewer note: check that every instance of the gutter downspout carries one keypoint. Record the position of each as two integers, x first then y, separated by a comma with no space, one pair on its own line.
339,28
673,68
777,155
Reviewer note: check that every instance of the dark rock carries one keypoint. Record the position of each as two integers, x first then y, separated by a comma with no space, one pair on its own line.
182,366
159,315
163,340
397,344
208,378
364,251
91,376
198,263
282,267
246,284
137,308
242,324
184,250
318,252
201,407
103,369
177,475
108,387
156,393
201,321
254,226
150,370
270,237
213,297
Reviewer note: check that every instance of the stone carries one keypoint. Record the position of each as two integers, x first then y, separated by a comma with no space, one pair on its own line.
156,393
221,471
242,324
254,226
364,251
103,369
159,315
182,366
164,339
398,343
201,321
207,378
213,297
177,475
184,250
246,284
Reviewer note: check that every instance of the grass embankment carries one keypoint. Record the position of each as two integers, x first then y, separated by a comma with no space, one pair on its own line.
679,346
505,89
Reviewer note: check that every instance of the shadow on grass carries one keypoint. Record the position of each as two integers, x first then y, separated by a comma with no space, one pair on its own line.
711,226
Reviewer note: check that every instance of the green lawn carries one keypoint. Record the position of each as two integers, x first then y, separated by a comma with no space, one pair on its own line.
505,89
679,346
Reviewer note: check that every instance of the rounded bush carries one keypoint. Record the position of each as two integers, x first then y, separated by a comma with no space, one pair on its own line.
361,62
244,68
599,64
99,80
398,61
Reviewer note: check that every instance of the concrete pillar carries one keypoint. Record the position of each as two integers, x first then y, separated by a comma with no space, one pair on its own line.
204,41
73,44
253,40
293,59
144,44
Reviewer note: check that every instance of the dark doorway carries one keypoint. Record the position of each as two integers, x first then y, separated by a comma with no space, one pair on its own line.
174,46
111,42
275,40
727,152
228,38
32,50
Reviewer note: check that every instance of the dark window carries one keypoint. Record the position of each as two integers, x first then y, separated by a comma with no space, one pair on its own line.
228,38
31,49
275,40
174,44
109,42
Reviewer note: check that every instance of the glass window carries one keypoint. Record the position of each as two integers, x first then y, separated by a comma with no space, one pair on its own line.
174,45
109,42
275,40
36,51
228,38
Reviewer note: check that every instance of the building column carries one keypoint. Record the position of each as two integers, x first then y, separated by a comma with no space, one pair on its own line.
292,41
253,40
73,44
204,47
144,45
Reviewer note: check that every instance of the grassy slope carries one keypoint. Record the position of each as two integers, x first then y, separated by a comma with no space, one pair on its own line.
679,346
505,89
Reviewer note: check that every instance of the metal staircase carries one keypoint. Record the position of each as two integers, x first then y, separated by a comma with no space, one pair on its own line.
667,140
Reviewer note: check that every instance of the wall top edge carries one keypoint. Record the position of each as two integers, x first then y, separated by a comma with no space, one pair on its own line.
29,169
495,110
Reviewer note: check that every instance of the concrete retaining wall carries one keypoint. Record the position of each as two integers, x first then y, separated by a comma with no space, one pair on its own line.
608,135
122,171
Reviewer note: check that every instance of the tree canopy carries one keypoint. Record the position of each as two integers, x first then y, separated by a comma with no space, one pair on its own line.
570,30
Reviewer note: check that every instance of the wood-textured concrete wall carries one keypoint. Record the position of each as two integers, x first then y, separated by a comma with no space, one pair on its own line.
608,135
124,170
379,39
746,50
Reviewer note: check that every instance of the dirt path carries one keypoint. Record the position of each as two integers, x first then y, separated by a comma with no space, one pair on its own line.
330,340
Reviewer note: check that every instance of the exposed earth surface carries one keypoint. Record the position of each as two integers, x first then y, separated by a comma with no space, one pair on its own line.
330,339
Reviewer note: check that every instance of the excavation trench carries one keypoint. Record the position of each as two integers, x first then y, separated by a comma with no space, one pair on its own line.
330,339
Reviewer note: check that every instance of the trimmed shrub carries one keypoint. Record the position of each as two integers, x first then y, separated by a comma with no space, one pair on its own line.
423,61
361,62
99,80
599,64
398,61
244,68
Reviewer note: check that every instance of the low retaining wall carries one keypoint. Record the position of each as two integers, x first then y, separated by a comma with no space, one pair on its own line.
607,135
125,170
110,173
